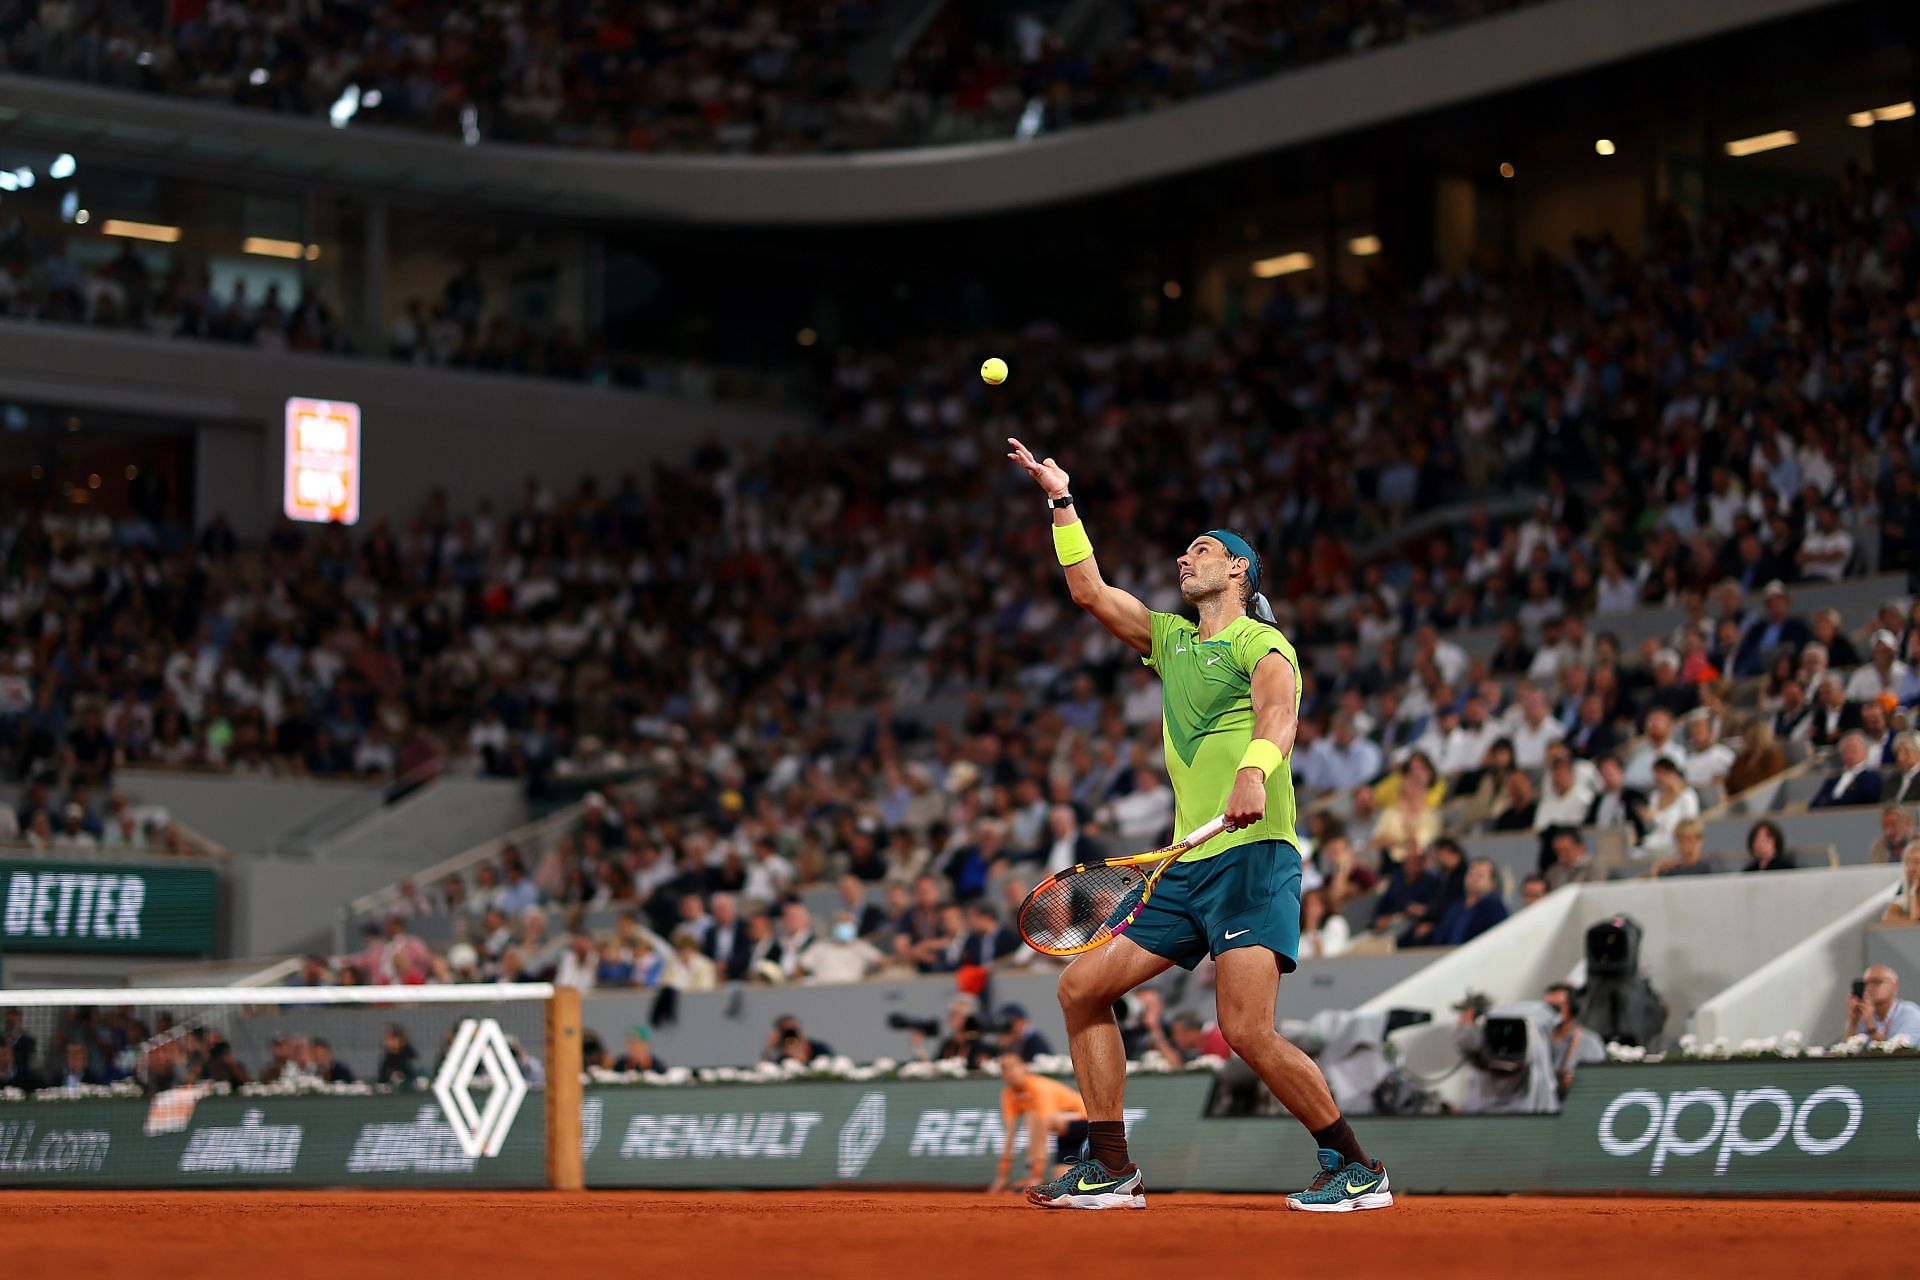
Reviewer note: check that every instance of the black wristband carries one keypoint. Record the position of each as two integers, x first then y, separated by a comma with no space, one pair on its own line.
1064,500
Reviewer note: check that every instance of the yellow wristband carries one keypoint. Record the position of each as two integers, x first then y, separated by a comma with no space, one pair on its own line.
1071,544
1262,754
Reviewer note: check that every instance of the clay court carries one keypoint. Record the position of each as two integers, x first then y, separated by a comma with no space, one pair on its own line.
932,1236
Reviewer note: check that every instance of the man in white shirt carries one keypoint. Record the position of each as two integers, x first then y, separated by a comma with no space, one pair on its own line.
1570,788
1884,674
1658,744
579,964
1142,816
1465,745
841,956
1707,760
1827,547
1533,730
793,938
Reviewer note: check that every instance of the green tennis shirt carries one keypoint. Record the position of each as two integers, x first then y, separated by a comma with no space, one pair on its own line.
1206,701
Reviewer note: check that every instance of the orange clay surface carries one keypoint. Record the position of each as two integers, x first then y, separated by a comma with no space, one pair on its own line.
930,1236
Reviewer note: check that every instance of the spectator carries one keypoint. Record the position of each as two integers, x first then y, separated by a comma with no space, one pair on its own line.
1767,848
1673,802
1018,1034
1758,759
1825,551
841,956
1572,789
1777,630
728,945
1659,744
793,937
1616,804
1905,907
639,1055
1573,1045
868,917
1480,910
399,1060
76,1068
1323,934
1410,820
579,964
1896,832
1883,674
327,1067
518,893
1905,784
1708,761
1689,838
1065,845
1569,858
1447,862
1342,876
688,969
1880,1014
1858,781
1532,889
1533,729
1515,809
1411,885
1340,762
13,1073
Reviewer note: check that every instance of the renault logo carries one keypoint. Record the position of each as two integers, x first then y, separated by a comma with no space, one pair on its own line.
478,1046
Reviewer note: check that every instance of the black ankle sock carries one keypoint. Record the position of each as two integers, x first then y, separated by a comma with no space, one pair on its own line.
1338,1136
1107,1142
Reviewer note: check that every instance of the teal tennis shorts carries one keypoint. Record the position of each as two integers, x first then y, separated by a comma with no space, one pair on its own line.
1246,897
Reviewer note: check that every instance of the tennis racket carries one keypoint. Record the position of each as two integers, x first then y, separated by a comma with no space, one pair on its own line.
1091,904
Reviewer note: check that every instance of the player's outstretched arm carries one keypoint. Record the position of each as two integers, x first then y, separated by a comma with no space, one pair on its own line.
1119,611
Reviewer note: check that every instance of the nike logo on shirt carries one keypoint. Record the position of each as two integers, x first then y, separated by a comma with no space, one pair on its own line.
1243,933
1215,658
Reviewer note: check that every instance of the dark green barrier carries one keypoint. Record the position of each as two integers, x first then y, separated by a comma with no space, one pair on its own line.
385,1140
1710,1128
106,907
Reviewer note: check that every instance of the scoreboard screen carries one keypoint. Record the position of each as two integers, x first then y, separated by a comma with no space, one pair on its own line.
322,476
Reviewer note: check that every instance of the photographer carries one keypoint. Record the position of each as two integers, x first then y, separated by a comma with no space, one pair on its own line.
966,1035
1572,1044
787,1041
1875,1009
1506,1049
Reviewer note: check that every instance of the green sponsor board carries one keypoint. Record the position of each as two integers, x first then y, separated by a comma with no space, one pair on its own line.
106,907
1691,1129
379,1140
818,1134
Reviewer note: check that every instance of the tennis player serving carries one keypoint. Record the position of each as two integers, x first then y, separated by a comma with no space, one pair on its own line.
1230,700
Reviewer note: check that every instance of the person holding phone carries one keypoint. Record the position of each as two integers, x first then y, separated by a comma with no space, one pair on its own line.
1875,1009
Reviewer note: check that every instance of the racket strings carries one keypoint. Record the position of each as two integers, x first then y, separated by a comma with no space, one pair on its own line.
1074,911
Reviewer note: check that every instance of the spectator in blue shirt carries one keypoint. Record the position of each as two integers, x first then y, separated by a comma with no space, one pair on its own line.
1412,884
1476,913
1879,1013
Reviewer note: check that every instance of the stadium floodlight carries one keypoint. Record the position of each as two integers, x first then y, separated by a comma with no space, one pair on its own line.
1894,111
1861,119
1760,142
470,125
69,206
23,176
257,77
1032,118
1363,246
1603,146
8,182
64,166
1285,264
342,112
82,217
372,99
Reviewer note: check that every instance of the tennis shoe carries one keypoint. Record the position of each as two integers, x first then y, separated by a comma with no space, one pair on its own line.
1091,1185
1344,1187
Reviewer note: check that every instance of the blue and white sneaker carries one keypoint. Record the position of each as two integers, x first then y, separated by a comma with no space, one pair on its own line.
1091,1185
1342,1187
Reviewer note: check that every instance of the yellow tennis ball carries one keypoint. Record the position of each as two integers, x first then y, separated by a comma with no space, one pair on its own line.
994,371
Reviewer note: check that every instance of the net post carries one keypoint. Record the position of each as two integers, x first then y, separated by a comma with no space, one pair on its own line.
565,1061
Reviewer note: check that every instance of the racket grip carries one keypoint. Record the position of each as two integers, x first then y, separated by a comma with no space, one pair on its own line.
1206,832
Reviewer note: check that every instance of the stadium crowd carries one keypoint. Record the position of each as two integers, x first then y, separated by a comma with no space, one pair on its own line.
696,75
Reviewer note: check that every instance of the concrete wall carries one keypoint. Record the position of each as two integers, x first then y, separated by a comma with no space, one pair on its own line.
1702,936
476,434
246,815
1804,987
1534,44
1898,948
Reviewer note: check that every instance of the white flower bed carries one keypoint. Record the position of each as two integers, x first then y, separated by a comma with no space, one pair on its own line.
1790,1045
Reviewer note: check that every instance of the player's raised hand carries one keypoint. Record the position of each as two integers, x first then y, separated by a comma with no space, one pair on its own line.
1047,473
